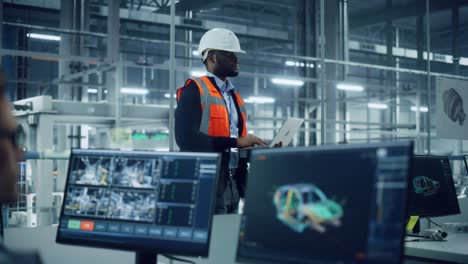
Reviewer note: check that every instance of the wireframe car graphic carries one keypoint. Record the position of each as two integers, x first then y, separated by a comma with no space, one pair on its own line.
425,186
302,206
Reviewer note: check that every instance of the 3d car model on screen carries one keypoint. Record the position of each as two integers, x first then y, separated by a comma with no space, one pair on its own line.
302,206
425,186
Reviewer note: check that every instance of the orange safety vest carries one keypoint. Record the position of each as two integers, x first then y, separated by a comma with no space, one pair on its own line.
215,117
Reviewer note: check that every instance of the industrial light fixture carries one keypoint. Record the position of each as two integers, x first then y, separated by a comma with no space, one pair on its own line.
350,87
377,106
168,95
134,91
289,82
92,90
299,64
463,61
43,36
259,100
421,109
195,53
197,73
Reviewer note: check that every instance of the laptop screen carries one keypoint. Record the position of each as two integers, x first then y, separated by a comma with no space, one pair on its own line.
341,204
286,133
140,201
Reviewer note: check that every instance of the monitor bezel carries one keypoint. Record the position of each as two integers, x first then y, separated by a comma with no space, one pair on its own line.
424,213
404,144
184,249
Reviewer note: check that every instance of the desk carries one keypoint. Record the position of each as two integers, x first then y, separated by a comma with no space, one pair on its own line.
222,247
453,249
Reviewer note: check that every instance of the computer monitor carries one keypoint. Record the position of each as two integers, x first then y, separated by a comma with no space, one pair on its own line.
432,190
335,204
1,222
148,202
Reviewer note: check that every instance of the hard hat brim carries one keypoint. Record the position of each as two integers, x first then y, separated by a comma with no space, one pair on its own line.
230,50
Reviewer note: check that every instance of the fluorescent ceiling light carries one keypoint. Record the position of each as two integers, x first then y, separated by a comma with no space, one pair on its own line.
431,55
195,53
168,95
197,73
92,90
352,44
298,64
397,51
287,82
411,53
135,91
448,58
349,87
463,61
259,100
377,106
380,49
43,36
421,109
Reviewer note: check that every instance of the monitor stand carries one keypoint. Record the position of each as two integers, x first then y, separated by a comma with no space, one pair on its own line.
146,257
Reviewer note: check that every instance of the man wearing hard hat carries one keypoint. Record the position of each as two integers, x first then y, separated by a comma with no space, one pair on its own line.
211,115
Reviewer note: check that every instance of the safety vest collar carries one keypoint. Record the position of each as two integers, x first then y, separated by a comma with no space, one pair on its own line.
215,119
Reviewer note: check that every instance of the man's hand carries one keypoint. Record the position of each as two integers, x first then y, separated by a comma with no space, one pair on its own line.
278,145
249,141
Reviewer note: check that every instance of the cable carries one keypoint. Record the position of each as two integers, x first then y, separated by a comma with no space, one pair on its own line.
415,236
431,234
428,219
179,259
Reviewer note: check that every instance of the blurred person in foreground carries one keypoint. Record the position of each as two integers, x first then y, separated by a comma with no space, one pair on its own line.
10,155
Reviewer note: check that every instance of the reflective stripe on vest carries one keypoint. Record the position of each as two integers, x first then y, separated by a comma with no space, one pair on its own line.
215,119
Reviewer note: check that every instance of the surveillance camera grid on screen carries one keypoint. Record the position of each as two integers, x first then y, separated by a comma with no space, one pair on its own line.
138,200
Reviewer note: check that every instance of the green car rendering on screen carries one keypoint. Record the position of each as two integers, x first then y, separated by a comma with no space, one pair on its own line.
304,206
425,186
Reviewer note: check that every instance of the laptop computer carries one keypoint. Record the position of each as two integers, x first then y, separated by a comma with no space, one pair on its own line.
285,134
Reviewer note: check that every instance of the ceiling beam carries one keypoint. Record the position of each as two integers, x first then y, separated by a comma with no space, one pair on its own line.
414,9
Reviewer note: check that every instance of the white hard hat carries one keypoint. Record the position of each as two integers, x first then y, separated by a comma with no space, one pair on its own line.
219,39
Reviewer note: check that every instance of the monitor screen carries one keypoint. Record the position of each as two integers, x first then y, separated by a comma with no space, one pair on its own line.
131,200
338,204
432,190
